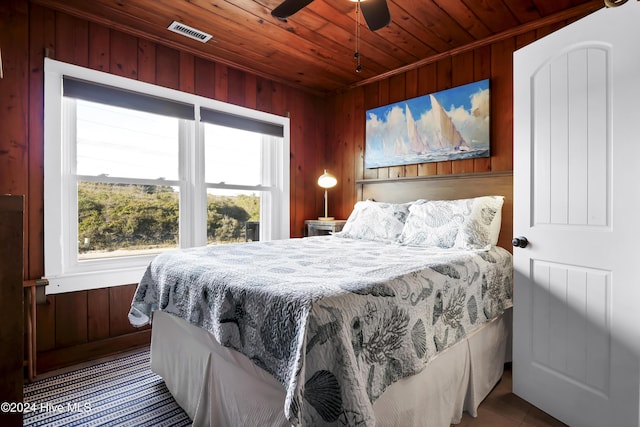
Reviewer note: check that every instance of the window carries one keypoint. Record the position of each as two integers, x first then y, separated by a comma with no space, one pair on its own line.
233,178
124,206
133,169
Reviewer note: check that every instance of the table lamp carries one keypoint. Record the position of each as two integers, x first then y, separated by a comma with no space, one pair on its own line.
326,181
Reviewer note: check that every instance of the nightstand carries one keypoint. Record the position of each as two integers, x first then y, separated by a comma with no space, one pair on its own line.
316,227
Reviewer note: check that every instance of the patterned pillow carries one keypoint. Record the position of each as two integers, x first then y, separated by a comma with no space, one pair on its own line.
464,223
481,227
433,223
371,220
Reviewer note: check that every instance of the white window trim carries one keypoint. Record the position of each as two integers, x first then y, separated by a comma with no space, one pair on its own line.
64,272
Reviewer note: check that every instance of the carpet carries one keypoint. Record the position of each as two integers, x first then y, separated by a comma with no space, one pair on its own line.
119,392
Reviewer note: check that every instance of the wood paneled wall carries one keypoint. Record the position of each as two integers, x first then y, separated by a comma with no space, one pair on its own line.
77,326
346,131
325,133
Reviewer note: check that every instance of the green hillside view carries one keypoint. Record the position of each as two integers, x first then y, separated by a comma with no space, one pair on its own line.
135,217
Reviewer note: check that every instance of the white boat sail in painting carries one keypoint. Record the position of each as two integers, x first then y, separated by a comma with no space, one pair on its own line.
417,143
447,134
447,138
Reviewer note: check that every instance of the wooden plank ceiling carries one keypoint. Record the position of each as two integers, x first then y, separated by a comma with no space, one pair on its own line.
314,49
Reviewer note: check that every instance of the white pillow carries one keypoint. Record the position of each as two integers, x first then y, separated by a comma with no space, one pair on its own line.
371,220
464,223
432,223
481,227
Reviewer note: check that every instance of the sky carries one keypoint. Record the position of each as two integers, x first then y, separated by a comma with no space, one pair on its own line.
133,144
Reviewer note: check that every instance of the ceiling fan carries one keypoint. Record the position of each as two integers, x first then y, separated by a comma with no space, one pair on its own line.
375,12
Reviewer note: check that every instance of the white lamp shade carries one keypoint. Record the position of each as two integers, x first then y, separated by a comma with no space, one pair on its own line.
326,180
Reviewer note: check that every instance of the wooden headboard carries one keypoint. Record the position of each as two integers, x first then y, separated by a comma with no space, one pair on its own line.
446,187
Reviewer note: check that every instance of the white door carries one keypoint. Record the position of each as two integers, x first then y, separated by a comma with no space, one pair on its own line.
577,200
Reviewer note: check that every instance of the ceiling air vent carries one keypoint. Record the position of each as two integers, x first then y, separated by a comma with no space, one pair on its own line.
185,30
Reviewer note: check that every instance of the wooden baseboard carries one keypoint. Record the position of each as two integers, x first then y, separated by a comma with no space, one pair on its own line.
63,357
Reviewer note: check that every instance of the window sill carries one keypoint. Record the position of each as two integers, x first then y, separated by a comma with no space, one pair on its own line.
82,281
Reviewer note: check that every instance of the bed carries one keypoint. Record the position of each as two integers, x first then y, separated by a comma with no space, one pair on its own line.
382,324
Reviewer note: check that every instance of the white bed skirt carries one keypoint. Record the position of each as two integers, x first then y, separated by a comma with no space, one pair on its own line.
218,386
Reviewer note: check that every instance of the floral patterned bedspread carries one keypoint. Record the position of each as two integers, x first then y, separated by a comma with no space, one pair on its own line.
335,320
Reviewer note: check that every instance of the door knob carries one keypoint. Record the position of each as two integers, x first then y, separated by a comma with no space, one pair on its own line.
520,242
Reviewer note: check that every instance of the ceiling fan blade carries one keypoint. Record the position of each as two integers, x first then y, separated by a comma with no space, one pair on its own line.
288,8
376,13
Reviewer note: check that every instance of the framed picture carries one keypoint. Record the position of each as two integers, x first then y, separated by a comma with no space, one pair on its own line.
447,125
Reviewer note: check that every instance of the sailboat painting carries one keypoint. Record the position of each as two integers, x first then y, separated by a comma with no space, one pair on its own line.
447,125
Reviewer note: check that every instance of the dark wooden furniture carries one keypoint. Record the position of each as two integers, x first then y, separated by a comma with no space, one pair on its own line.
33,295
11,307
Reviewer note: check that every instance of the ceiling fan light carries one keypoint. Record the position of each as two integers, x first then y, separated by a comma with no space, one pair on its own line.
375,12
